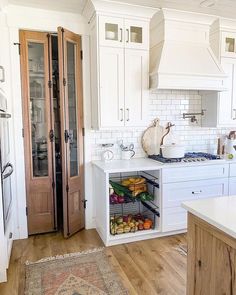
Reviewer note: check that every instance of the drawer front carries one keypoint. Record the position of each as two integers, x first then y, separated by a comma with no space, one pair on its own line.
176,193
232,171
194,173
232,186
174,219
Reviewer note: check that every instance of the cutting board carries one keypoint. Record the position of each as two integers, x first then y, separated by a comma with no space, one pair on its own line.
151,138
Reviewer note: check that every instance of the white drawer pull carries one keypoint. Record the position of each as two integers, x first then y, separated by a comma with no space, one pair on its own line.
196,192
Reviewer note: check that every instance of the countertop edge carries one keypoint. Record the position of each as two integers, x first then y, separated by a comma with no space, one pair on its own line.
209,220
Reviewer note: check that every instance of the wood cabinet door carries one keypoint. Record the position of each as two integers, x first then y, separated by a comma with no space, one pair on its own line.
37,125
136,87
211,260
111,87
227,99
71,102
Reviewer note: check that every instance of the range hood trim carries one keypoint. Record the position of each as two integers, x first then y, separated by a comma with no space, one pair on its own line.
166,51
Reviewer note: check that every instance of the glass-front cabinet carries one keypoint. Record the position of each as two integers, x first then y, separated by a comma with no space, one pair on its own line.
136,34
228,47
111,31
119,32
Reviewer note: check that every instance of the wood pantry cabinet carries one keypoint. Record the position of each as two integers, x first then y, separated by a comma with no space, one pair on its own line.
120,71
211,259
220,108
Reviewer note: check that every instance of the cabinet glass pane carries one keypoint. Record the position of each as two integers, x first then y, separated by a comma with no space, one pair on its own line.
72,108
38,115
229,44
111,32
136,34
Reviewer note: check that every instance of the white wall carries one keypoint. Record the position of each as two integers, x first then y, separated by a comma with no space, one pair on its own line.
168,106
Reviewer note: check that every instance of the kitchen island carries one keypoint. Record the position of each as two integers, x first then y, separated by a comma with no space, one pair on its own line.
211,246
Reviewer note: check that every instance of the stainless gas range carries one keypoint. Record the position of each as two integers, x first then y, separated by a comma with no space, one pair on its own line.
188,158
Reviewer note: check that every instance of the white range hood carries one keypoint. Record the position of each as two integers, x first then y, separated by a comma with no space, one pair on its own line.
181,57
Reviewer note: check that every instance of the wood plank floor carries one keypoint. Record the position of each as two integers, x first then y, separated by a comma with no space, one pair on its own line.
147,267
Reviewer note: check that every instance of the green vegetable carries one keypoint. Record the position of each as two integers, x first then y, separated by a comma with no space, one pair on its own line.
145,196
120,190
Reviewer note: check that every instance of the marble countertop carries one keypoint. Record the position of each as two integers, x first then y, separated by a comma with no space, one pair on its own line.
219,212
145,164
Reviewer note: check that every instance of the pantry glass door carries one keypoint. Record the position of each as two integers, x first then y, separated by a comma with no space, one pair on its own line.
37,126
69,46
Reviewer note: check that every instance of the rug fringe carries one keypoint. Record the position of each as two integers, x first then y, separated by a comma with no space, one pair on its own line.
76,254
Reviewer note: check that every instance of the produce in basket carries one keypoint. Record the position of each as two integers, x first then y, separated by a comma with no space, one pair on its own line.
129,223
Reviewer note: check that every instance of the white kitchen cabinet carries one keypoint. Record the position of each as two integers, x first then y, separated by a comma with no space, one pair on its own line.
4,54
136,87
220,108
123,87
119,71
228,44
112,87
111,31
136,34
227,99
232,186
196,172
176,193
123,32
232,170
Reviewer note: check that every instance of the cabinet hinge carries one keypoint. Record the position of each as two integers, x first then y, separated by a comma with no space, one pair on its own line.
64,81
17,43
23,132
49,84
81,54
26,211
85,203
83,131
51,135
67,136
67,188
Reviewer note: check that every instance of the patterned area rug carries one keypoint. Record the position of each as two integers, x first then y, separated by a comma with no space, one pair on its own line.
86,273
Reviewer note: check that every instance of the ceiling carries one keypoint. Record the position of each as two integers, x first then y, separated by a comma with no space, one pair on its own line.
75,6
225,8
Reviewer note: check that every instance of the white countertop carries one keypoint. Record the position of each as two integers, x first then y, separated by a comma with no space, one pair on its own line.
136,164
143,164
219,212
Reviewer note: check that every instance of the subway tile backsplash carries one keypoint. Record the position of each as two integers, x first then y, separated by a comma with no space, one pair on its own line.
168,106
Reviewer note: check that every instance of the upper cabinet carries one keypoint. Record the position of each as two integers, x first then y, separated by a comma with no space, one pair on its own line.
220,108
4,54
122,32
119,65
228,44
